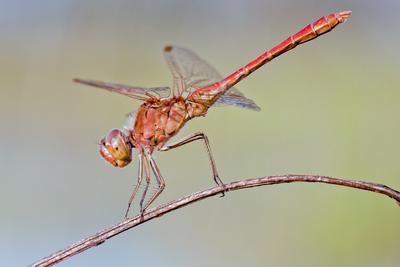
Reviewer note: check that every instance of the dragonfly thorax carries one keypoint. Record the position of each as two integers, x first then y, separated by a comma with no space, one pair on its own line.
156,121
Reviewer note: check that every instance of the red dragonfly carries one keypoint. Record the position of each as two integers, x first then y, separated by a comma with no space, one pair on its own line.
196,87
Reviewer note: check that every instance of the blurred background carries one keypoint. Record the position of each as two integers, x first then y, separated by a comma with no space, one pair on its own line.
330,107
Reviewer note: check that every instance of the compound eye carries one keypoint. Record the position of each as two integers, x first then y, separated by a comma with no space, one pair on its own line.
105,153
118,147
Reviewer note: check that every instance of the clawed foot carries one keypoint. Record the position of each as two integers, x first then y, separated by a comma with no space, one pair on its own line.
142,210
223,192
127,211
220,183
141,213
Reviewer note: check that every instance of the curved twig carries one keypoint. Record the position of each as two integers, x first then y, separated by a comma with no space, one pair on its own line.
114,230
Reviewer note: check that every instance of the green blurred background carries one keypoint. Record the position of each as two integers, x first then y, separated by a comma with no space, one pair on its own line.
330,107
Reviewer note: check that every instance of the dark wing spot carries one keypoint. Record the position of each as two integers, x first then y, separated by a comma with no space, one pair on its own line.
168,48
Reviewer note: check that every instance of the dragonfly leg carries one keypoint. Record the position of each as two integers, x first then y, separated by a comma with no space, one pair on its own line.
194,137
139,182
160,180
147,171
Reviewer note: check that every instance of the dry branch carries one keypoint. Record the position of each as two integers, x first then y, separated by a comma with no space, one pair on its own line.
114,230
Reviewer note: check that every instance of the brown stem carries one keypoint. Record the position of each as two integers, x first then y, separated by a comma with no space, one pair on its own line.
114,230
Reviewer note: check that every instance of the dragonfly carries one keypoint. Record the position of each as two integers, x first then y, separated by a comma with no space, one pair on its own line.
196,87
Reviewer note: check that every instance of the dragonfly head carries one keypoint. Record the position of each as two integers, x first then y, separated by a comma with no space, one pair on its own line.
116,148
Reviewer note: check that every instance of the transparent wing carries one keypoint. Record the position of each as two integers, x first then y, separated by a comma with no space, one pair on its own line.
190,72
139,93
235,98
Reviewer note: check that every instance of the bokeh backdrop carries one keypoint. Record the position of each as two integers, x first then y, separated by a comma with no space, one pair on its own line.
329,107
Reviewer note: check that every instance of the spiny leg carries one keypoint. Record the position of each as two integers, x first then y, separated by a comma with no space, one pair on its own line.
159,178
139,182
193,137
147,172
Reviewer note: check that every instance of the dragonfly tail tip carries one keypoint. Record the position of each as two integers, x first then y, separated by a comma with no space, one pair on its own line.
345,15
